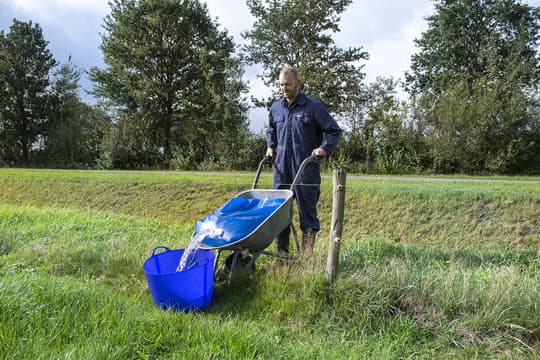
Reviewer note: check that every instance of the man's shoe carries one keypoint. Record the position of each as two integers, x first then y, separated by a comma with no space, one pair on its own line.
308,241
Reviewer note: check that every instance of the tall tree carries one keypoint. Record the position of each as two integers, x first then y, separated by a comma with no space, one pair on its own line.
172,75
25,67
76,131
64,130
474,81
380,136
298,33
467,39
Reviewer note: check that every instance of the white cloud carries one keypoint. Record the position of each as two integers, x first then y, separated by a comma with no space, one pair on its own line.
386,30
76,21
53,10
233,15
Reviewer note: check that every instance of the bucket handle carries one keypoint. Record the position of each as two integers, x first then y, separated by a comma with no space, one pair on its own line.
159,247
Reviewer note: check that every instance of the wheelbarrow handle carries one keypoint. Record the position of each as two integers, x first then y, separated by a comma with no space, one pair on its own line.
266,160
308,160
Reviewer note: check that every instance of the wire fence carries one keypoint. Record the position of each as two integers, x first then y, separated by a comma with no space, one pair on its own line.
241,180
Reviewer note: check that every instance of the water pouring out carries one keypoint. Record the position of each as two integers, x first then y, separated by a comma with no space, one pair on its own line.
206,229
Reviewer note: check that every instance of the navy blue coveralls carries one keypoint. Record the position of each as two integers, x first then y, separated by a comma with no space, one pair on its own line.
293,133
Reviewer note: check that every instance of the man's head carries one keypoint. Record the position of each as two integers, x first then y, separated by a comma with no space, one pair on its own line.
289,83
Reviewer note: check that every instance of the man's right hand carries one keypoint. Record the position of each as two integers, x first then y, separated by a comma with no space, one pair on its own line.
270,152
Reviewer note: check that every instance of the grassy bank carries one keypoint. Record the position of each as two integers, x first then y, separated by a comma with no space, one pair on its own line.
428,270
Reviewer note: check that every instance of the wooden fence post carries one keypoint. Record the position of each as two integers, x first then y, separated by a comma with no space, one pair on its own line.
338,207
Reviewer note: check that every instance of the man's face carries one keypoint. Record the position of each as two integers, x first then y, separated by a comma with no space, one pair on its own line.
290,87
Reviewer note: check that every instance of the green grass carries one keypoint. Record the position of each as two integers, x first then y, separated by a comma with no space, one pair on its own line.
427,270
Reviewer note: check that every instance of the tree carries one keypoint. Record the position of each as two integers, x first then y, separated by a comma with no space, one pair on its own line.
96,128
380,136
25,66
64,129
298,33
497,130
474,80
469,39
172,81
76,131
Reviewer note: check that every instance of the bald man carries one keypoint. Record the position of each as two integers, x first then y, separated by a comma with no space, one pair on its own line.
299,126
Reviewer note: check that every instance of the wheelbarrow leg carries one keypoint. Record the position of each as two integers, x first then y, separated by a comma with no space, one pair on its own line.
296,242
216,261
234,264
226,269
251,263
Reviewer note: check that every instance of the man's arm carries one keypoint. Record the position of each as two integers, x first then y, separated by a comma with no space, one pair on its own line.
331,129
271,136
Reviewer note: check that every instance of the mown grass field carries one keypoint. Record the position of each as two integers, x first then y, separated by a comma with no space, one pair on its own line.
428,269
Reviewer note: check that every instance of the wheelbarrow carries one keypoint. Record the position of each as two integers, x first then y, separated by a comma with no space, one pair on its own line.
250,221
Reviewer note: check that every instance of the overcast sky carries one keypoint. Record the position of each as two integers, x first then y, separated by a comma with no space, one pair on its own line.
384,28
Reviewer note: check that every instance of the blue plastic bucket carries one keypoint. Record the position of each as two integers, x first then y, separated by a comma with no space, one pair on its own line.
186,290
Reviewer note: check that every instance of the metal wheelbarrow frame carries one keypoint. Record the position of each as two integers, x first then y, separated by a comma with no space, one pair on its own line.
263,235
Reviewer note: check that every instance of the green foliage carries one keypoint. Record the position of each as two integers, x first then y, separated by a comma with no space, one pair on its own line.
297,33
64,130
496,130
43,122
25,66
244,155
380,136
173,95
475,83
77,132
467,40
173,81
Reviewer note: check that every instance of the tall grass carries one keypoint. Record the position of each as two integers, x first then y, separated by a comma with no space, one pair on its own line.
411,284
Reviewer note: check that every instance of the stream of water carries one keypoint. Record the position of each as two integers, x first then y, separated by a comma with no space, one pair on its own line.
208,228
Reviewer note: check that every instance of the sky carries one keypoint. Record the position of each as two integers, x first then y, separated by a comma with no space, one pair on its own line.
386,29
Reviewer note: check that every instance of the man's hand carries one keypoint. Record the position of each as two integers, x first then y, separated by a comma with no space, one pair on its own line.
319,152
270,152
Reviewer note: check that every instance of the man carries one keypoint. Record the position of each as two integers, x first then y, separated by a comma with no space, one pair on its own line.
299,126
